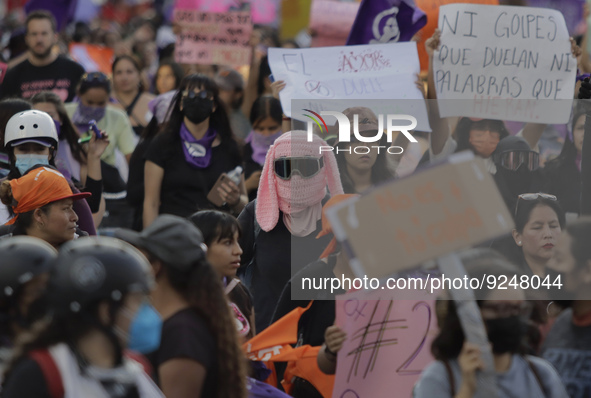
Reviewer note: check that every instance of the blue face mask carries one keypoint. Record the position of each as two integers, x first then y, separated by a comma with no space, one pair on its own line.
25,162
145,330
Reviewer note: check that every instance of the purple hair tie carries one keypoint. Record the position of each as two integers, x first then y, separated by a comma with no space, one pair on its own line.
583,76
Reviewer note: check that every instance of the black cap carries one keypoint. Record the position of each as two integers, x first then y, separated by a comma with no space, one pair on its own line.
171,239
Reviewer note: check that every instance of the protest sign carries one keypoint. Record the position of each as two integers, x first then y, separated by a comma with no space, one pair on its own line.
518,57
213,38
262,11
388,343
325,76
295,16
331,21
411,220
3,69
431,8
93,58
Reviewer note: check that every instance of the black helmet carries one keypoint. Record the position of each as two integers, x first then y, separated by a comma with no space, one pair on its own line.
91,269
22,258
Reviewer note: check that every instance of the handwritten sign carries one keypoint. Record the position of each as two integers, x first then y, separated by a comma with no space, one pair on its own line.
388,343
418,218
213,38
3,69
431,8
262,11
508,53
331,22
323,76
93,58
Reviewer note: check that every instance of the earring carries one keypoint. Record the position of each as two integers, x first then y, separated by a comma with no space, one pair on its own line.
519,243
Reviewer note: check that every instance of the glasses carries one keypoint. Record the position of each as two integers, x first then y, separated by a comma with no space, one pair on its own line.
201,94
307,167
95,77
515,159
504,310
533,196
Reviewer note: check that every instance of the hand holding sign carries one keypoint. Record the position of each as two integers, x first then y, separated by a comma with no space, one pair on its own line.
509,57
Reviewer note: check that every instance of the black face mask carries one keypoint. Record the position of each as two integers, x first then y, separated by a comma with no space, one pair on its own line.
505,334
197,109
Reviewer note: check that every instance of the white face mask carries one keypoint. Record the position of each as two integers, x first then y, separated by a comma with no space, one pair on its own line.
25,162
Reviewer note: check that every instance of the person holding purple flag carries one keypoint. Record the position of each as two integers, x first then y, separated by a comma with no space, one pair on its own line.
386,21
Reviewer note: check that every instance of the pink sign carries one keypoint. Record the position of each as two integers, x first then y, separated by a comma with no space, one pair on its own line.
331,22
388,343
262,11
3,68
213,38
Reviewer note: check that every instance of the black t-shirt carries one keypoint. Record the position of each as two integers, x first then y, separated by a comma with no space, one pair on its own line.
185,335
278,256
184,188
26,380
25,80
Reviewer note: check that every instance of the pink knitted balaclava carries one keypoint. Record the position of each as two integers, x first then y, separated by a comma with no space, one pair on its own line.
296,194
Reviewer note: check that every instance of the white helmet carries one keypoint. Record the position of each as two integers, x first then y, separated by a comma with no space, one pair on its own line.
31,126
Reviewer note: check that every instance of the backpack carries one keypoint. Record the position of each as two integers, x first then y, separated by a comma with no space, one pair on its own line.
52,375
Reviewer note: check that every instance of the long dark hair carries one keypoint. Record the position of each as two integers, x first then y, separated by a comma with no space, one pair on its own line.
379,171
177,71
462,132
479,263
218,119
202,288
61,328
266,106
215,225
68,131
568,154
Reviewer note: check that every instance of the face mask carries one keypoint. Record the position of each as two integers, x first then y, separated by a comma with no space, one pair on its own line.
144,331
197,109
25,162
505,334
84,114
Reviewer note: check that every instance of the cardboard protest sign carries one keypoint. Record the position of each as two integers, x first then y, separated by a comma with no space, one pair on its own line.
388,343
3,69
323,76
331,22
213,38
262,11
409,221
431,8
508,63
93,58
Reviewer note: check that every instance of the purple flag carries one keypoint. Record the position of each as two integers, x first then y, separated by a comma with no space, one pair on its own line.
62,10
386,21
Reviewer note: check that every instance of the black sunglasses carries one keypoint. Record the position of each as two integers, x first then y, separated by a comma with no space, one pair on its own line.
307,167
203,94
533,196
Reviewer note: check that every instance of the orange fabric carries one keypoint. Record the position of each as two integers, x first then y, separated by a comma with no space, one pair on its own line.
326,227
307,368
274,345
38,188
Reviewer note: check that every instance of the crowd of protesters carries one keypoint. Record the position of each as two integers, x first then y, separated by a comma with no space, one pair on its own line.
155,216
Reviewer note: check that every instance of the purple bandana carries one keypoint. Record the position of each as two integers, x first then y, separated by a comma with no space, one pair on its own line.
84,114
197,152
260,145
